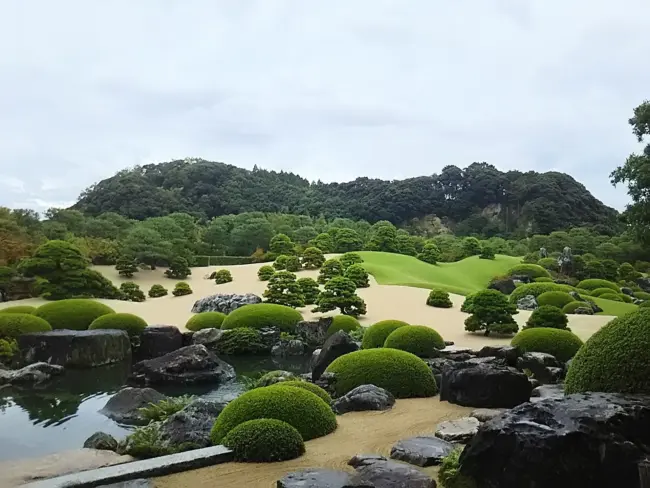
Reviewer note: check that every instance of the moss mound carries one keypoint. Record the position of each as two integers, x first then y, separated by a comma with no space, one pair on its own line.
376,334
205,320
536,289
306,385
642,295
242,340
600,291
570,308
402,373
73,313
560,343
310,415
342,322
132,324
547,316
615,297
555,298
19,309
420,340
264,441
439,299
14,324
260,315
592,284
615,359
531,270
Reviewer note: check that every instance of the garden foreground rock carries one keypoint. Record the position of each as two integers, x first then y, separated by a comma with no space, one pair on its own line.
421,450
32,374
124,407
101,441
545,368
314,333
158,340
336,345
191,425
224,303
459,430
485,414
364,397
390,474
322,478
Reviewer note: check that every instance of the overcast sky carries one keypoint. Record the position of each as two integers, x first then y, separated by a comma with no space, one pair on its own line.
331,89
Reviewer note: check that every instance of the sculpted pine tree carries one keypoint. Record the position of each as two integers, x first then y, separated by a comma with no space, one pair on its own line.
358,275
330,269
312,258
324,242
179,269
430,253
126,266
350,258
281,244
491,312
293,264
283,289
310,290
340,293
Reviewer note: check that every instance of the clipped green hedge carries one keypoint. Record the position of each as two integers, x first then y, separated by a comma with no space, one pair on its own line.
615,297
205,320
593,283
625,298
420,340
642,295
573,306
536,289
560,343
342,322
14,324
260,315
531,270
305,411
19,309
222,260
264,441
403,374
73,313
439,299
132,324
555,298
547,316
376,334
615,359
242,340
600,291
306,385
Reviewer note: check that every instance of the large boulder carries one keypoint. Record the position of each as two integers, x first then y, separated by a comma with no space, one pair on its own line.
314,333
421,450
289,347
459,430
383,473
76,348
484,385
101,441
186,366
644,283
364,397
190,426
336,345
594,440
124,407
545,367
504,285
543,392
208,337
322,478
529,302
158,340
224,302
32,374
508,353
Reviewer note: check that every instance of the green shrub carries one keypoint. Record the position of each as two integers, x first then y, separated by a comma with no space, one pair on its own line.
280,262
156,412
342,322
73,313
293,264
625,298
376,334
449,475
340,293
305,411
14,324
222,276
548,263
8,350
265,272
487,252
641,295
547,316
357,335
615,359
312,258
530,270
439,299
132,324
260,315
615,297
536,289
644,304
554,298
242,340
491,312
126,266
330,269
181,289
358,275
430,253
594,283
132,292
309,289
543,279
283,289
349,259
264,441
157,291
145,443
19,309
403,374
205,320
420,340
179,269
600,291
222,260
569,308
468,304
560,343
306,385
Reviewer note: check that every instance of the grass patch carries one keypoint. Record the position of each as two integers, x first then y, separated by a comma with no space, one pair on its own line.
615,309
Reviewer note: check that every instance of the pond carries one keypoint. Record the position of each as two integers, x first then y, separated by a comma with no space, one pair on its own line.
62,414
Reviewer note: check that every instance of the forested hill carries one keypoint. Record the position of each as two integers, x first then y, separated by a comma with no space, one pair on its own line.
479,198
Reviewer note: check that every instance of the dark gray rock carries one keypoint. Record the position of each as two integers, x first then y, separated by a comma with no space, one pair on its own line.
141,483
459,430
364,397
593,440
436,365
327,382
576,296
187,338
392,474
547,391
158,340
485,414
421,450
644,283
336,345
521,278
224,302
76,348
545,368
586,310
314,358
314,333
269,336
508,353
288,348
124,407
534,383
32,374
529,302
364,459
190,426
101,441
505,285
322,478
595,308
208,337
484,385
186,366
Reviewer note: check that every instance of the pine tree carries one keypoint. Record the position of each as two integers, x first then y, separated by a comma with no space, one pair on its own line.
283,289
340,293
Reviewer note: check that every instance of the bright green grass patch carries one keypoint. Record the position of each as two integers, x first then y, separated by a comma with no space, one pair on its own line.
463,277
616,309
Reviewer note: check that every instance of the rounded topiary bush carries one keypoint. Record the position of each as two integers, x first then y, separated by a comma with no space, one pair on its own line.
242,340
560,343
345,323
594,283
265,272
645,304
625,298
264,441
305,411
182,288
554,298
205,320
615,359
547,316
376,334
73,313
642,295
420,340
439,299
403,374
536,289
14,324
157,291
260,315
600,291
19,309
543,279
615,297
306,385
573,306
132,324
531,270
222,276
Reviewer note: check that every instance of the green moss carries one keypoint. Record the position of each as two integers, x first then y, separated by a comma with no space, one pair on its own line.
439,298
592,284
555,298
376,334
615,359
73,313
19,309
345,323
132,324
205,320
601,291
264,441
14,324
560,343
531,270
310,415
420,340
260,315
625,298
403,374
242,340
543,279
306,385
615,297
450,476
547,316
536,289
570,308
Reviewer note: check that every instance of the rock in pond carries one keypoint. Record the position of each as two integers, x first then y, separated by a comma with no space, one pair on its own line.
314,333
101,441
32,374
485,414
545,368
288,348
594,440
208,337
336,345
192,425
382,473
224,302
124,407
322,478
364,397
76,348
421,450
158,340
186,366
460,430
547,391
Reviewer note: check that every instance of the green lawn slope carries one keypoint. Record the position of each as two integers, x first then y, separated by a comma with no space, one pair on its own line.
610,307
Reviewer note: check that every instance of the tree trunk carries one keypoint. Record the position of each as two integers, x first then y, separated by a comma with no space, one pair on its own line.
644,473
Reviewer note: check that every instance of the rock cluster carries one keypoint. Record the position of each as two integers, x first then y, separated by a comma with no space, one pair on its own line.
224,302
32,374
364,397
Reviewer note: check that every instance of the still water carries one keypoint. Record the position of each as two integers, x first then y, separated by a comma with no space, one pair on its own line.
62,414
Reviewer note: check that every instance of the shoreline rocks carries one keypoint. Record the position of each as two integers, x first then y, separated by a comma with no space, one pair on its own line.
33,374
224,302
124,407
